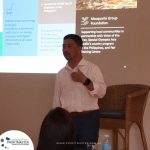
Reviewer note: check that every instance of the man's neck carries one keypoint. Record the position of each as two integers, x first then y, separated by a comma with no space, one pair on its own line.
74,63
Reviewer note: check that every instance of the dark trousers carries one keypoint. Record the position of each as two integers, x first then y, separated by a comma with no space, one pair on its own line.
87,130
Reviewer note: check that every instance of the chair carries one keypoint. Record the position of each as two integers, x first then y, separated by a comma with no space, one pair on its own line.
122,106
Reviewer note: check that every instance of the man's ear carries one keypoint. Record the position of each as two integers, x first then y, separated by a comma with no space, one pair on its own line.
80,48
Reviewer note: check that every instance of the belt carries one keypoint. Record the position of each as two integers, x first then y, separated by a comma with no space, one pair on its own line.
77,114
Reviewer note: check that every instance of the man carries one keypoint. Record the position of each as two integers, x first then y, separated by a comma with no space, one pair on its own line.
77,89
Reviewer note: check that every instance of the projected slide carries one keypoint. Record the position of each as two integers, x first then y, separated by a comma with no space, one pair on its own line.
20,28
100,25
1,25
32,31
56,19
31,38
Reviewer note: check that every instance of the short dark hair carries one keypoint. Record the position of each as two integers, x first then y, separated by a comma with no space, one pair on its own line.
76,38
57,131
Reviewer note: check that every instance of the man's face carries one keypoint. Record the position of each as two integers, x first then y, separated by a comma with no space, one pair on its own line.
71,50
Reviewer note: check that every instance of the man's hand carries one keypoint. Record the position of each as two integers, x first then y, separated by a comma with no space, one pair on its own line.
78,76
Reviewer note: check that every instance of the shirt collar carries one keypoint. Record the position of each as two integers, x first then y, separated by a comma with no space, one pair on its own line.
81,63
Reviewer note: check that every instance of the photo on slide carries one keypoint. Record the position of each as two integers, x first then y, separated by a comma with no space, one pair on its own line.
105,4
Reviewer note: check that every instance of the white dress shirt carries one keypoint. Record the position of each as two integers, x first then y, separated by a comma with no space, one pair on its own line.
74,96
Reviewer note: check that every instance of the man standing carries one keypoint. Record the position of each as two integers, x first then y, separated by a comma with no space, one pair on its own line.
77,88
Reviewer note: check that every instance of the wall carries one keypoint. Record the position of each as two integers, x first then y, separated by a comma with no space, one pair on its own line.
26,98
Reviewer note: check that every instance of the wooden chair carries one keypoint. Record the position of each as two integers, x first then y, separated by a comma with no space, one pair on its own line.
122,106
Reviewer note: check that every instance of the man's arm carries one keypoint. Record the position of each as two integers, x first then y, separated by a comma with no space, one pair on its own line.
95,85
80,77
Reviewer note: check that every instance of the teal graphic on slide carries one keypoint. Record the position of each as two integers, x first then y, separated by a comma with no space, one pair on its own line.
1,52
20,28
